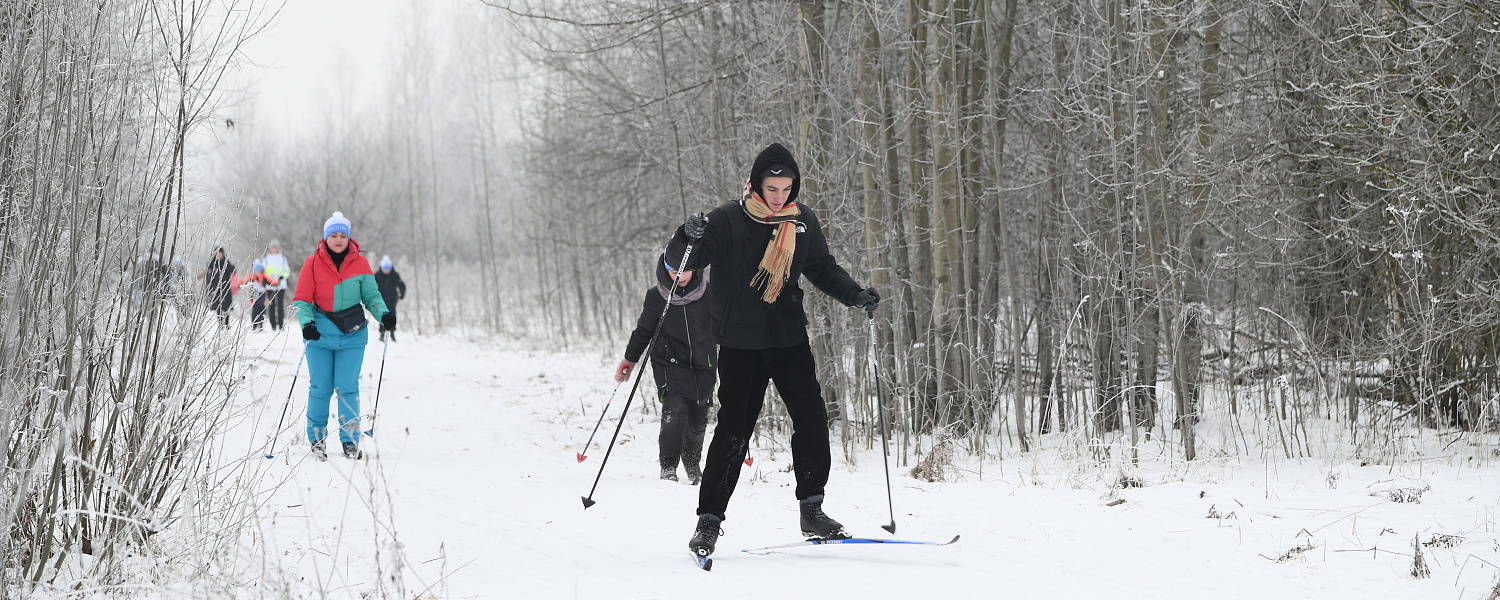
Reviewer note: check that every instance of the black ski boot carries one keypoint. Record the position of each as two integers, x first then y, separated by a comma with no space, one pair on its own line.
669,473
351,451
706,535
816,524
319,451
693,474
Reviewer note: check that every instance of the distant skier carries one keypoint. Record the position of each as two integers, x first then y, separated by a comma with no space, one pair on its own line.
759,247
260,283
331,287
392,290
278,269
219,281
682,361
177,286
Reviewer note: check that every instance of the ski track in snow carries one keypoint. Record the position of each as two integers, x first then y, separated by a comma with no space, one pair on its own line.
473,469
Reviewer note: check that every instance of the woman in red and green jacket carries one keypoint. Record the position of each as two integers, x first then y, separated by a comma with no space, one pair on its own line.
331,287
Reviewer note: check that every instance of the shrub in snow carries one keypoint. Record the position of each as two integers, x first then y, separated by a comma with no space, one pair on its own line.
938,460
1405,495
1295,552
1440,540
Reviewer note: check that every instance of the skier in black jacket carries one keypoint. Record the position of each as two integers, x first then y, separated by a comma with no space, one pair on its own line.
759,248
392,290
219,281
682,361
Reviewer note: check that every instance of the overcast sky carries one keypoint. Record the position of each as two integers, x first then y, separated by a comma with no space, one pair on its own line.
315,56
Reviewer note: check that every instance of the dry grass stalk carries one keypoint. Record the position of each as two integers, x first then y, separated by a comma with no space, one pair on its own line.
1419,568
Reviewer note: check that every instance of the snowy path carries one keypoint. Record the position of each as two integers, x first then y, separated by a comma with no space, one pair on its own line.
475,473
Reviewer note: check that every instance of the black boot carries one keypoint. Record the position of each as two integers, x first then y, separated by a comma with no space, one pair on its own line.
706,535
669,473
815,524
694,475
319,451
351,451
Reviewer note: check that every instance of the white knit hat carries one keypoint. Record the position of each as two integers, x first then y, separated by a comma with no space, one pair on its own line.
336,224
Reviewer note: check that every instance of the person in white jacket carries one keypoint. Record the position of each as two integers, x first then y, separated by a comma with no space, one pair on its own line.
277,268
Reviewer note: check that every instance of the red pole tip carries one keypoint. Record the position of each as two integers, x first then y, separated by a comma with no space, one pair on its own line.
581,457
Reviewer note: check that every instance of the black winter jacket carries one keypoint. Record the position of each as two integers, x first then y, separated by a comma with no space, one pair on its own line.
734,244
392,289
219,279
684,350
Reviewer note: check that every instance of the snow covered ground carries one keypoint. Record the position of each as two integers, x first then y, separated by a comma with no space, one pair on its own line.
473,491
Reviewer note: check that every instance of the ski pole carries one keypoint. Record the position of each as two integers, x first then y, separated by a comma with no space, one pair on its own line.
589,499
581,455
884,443
270,454
379,381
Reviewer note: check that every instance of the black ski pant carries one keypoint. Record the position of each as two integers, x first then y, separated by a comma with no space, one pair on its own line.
258,312
743,376
277,307
683,424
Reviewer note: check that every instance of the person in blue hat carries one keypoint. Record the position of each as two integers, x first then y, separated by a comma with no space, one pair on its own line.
392,290
259,282
334,289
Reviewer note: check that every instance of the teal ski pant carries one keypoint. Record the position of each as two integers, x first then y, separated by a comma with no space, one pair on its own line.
333,365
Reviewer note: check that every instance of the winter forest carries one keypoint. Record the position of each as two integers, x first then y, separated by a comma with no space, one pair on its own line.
1142,254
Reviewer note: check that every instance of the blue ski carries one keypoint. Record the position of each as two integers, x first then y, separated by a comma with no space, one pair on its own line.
704,562
853,540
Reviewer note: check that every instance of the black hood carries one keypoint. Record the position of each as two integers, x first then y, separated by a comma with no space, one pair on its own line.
663,278
773,155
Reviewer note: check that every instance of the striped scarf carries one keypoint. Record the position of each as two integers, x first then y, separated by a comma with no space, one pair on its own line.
776,265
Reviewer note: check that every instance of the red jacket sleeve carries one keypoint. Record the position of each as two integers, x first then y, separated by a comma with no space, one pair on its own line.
305,283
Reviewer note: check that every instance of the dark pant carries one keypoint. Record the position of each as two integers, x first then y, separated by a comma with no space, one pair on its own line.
258,312
743,375
276,306
683,423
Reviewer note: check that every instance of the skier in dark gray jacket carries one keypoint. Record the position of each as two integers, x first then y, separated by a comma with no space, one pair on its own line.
682,361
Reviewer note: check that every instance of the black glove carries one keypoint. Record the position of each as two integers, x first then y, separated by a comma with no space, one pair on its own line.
868,298
695,226
310,332
388,321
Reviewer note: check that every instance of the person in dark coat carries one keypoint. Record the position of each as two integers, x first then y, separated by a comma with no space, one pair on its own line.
682,361
392,290
219,281
760,248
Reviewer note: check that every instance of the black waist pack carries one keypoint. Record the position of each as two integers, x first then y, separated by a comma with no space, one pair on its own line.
349,320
